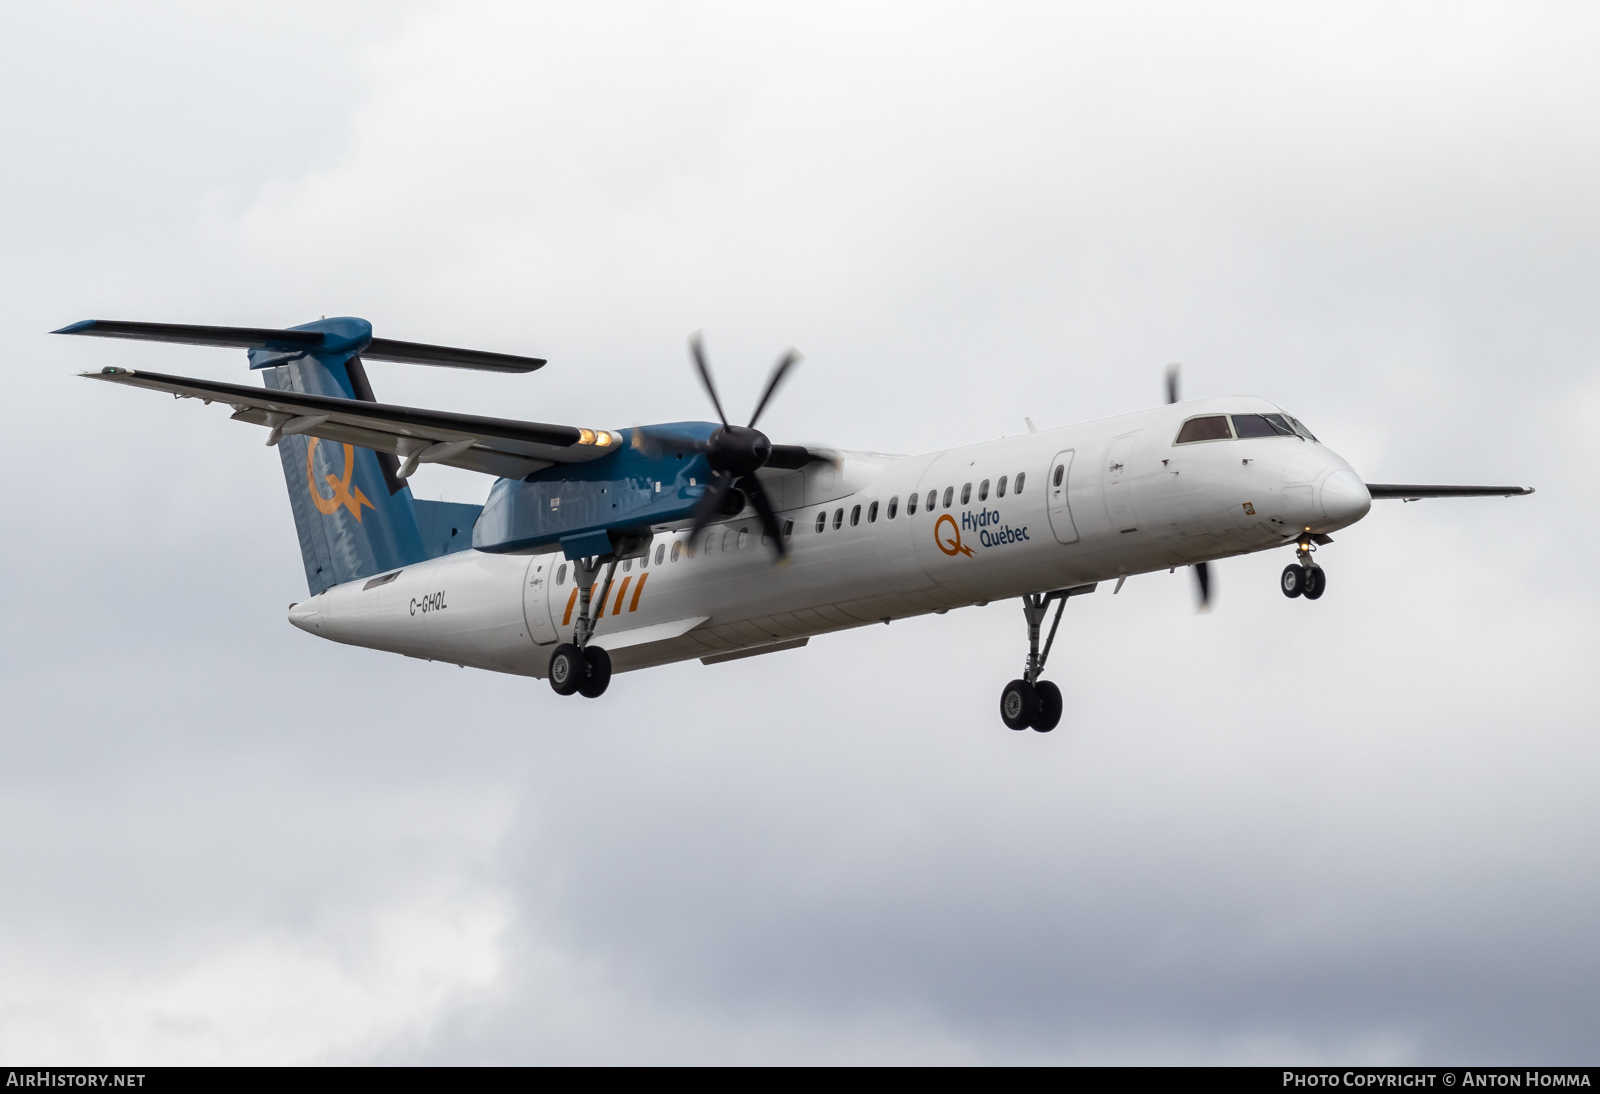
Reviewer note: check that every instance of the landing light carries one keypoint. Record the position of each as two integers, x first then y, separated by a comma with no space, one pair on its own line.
586,436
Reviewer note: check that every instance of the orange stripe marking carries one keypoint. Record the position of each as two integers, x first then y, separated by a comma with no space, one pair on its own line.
633,605
622,592
571,600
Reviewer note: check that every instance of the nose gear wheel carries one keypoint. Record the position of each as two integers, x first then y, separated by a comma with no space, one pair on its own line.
1304,577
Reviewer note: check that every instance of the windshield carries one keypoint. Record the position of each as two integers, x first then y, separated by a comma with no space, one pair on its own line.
1261,425
1269,425
1216,427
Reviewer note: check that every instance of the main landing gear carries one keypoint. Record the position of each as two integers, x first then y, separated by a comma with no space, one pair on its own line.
577,666
1032,703
1304,577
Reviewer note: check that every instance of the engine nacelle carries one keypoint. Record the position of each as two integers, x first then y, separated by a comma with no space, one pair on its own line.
604,507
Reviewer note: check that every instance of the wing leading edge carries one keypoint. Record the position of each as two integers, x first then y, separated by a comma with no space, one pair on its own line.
494,446
1405,492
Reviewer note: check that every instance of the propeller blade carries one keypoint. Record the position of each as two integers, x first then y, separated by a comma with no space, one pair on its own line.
1202,581
1172,382
699,353
787,361
769,519
705,510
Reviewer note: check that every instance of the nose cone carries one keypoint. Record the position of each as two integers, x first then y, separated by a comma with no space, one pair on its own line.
1344,499
308,617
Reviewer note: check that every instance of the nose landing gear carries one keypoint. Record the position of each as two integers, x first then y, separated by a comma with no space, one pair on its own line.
1304,577
1032,703
577,666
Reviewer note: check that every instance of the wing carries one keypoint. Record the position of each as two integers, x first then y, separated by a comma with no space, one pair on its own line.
1414,493
494,446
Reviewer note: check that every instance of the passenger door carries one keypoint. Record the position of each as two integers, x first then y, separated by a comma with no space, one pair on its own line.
1060,478
537,591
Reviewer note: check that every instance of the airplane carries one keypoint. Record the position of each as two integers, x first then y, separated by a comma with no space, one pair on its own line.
610,550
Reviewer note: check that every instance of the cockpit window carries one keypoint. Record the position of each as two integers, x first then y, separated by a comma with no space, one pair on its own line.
1211,428
1299,427
1261,425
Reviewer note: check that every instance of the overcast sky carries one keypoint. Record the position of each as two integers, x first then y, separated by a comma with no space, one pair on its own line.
1362,829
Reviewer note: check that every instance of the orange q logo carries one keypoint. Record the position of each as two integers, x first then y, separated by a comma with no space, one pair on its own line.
951,547
342,494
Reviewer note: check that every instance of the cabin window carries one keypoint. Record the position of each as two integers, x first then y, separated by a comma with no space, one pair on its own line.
1021,476
788,528
933,499
627,564
561,574
822,520
894,506
966,492
1261,425
677,549
872,513
1213,427
838,519
983,490
1061,470
949,496
661,552
911,505
1000,487
744,534
727,540
855,516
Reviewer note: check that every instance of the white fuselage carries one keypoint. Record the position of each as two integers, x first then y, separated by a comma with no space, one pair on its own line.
1129,501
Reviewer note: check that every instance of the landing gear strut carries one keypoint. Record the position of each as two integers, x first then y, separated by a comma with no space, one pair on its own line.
1032,703
1304,577
577,666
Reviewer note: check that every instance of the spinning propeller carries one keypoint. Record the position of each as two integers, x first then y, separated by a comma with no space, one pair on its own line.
1202,570
735,453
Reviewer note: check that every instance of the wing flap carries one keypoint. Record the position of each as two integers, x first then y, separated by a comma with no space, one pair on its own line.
641,636
493,446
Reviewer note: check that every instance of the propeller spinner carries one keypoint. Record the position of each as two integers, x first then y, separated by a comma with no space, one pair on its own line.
736,453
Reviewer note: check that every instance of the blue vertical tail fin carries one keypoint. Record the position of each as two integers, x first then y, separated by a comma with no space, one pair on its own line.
354,514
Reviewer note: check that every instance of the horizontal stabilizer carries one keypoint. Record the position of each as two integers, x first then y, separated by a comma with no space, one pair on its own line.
193,335
415,353
303,340
494,446
1415,493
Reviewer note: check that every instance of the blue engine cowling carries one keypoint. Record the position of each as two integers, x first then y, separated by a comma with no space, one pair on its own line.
596,508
